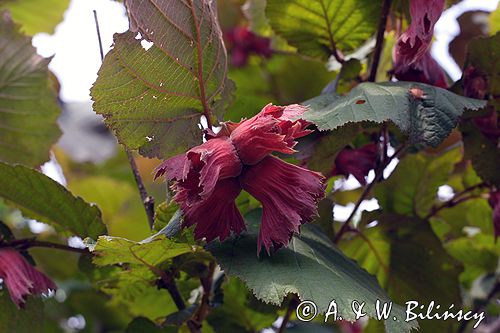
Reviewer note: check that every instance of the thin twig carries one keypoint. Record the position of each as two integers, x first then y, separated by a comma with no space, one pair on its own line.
98,34
384,160
478,308
147,201
292,305
26,243
378,175
457,199
169,284
379,45
206,283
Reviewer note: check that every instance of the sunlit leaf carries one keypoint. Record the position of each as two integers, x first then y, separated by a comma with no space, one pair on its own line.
317,28
37,15
28,104
479,254
412,188
113,250
152,95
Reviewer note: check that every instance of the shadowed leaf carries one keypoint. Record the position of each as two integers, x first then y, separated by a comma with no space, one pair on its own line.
426,113
45,200
28,105
406,256
310,267
28,320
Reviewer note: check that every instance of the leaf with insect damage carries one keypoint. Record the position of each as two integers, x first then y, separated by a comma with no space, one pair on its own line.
426,113
162,75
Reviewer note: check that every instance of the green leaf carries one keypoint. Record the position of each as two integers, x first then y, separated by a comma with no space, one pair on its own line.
114,250
120,203
238,313
452,223
317,28
37,15
255,12
372,252
311,267
328,146
136,289
495,21
428,120
484,155
479,254
408,257
142,325
155,97
27,320
28,104
483,54
280,79
165,212
412,188
45,200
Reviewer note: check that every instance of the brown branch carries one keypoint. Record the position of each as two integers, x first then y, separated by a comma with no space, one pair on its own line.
147,201
292,305
26,243
379,45
456,200
206,283
385,160
170,285
378,175
98,34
